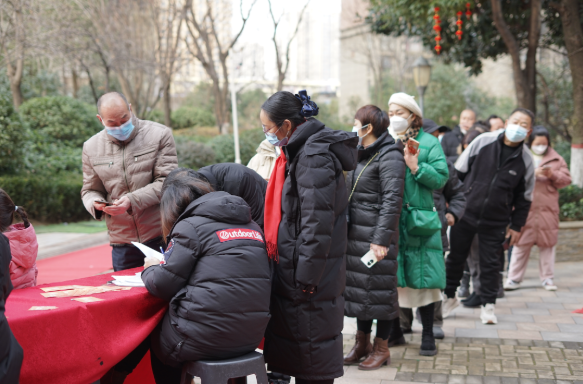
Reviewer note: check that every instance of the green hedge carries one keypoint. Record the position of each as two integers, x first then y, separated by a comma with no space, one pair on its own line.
571,203
60,119
192,154
14,136
48,199
224,146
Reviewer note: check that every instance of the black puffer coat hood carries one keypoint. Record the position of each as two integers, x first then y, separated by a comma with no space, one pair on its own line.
374,211
217,278
238,180
304,336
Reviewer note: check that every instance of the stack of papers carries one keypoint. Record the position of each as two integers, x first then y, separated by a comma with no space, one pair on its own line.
129,281
86,291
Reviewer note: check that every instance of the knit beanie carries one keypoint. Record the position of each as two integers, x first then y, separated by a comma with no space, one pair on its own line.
406,101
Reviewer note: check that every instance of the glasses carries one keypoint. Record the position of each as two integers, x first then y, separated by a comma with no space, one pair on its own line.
266,129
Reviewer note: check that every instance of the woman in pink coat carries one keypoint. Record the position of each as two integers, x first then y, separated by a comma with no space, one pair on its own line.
23,244
542,225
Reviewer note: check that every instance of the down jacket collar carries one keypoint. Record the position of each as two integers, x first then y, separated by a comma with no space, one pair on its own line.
218,206
384,140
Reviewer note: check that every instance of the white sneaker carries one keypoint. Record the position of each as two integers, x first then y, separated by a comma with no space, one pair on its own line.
448,305
487,315
549,285
511,285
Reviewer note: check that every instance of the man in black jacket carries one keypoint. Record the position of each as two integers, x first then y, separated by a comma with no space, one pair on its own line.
498,175
452,141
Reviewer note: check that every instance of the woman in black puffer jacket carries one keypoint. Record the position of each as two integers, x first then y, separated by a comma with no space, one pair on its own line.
376,189
305,229
215,275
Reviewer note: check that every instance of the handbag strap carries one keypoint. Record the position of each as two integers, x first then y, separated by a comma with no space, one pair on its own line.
360,174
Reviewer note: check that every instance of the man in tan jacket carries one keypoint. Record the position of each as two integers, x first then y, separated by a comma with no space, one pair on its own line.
124,167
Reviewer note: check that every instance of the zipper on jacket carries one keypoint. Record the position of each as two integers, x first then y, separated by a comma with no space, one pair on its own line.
492,185
110,163
123,156
142,154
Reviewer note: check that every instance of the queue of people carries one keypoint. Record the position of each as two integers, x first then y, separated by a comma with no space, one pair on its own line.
323,224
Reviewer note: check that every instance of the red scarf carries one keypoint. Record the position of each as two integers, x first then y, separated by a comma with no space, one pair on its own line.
272,216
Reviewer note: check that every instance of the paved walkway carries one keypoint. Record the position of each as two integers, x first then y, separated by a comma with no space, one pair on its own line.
58,243
537,340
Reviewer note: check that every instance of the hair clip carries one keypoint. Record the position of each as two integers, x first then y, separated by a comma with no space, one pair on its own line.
309,108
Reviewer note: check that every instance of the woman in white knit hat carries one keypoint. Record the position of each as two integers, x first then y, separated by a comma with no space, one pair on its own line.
421,271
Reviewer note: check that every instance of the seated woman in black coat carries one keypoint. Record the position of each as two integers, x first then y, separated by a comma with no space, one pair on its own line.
215,274
376,194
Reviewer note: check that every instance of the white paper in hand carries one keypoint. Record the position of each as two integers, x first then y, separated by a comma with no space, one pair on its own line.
149,252
369,259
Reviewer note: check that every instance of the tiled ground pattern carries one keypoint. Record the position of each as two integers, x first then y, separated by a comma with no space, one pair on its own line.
489,361
538,339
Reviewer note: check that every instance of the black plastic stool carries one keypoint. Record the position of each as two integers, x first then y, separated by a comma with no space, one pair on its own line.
220,371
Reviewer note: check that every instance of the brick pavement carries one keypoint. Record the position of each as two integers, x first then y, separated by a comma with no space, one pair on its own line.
537,340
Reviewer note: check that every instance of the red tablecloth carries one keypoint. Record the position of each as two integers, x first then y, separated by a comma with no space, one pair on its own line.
78,342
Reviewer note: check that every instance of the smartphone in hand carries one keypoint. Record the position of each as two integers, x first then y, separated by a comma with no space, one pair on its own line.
506,243
413,146
369,259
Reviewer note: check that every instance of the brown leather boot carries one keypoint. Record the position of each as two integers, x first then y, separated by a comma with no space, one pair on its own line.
380,356
361,348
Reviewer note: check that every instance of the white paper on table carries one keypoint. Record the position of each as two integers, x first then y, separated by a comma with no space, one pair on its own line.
149,252
128,281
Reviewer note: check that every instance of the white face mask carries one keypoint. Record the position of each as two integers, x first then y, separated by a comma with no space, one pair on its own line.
400,124
356,130
539,149
515,133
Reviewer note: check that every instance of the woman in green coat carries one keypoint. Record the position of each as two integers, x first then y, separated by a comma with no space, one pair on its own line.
421,272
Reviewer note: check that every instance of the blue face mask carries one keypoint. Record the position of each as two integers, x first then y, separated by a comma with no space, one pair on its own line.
121,133
515,133
273,140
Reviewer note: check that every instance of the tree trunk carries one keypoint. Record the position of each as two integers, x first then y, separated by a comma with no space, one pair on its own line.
75,79
524,79
280,79
91,83
573,34
14,73
167,106
17,98
107,79
221,113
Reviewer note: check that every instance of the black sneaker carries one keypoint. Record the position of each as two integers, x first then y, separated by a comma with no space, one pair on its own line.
474,301
428,347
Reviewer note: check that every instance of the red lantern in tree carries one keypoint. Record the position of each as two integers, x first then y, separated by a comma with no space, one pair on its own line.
459,23
468,12
437,29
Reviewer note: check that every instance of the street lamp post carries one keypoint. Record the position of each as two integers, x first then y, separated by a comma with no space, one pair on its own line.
421,76
235,123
